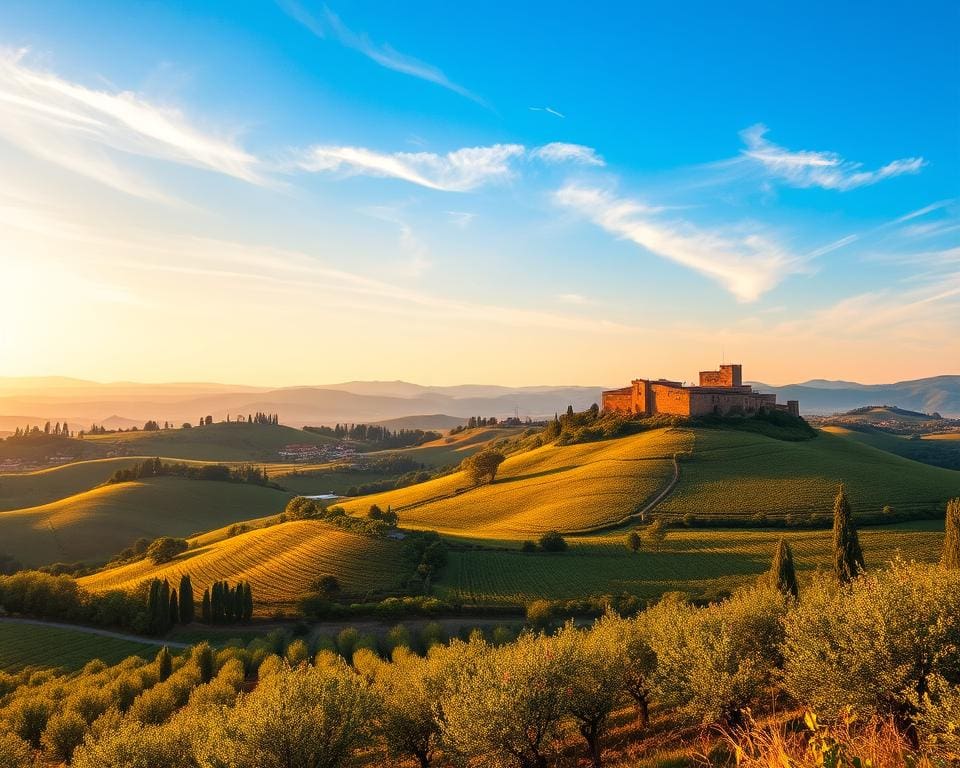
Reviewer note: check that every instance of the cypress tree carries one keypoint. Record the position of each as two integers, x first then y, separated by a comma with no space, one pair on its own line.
215,606
847,555
205,612
174,608
186,599
951,542
164,664
163,607
204,658
230,603
247,602
783,575
153,597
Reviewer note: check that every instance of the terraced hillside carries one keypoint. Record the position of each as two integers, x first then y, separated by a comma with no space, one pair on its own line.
95,525
280,562
570,488
232,441
737,474
452,449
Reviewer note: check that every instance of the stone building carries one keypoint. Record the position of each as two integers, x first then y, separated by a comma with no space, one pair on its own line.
720,392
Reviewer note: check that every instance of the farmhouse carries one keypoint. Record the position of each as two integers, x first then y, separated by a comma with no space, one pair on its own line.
720,392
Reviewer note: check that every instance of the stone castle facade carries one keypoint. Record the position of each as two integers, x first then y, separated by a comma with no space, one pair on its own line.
720,392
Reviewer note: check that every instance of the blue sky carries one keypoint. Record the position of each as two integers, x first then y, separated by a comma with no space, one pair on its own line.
452,192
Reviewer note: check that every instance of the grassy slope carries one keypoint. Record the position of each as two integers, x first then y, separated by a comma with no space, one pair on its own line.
454,448
567,488
216,442
702,563
736,473
938,449
30,489
280,562
30,645
95,525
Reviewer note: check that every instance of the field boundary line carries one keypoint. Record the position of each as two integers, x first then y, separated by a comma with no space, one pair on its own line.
94,631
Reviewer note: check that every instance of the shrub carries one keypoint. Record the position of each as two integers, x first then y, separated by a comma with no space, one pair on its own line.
552,541
63,734
877,644
540,613
28,717
14,751
164,549
482,466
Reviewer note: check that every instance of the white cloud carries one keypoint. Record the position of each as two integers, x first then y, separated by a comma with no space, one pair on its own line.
384,55
818,169
459,171
548,110
572,298
87,130
747,265
561,152
461,219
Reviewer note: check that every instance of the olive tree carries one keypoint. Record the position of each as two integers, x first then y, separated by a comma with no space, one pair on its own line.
506,710
409,689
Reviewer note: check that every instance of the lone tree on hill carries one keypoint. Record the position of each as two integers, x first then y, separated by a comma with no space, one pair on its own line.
655,534
634,541
164,549
847,554
951,542
482,467
783,575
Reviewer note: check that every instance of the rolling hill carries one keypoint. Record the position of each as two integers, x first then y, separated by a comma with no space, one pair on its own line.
31,489
724,474
280,562
232,441
94,525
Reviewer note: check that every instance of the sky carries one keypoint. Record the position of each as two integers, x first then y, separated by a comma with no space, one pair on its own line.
291,192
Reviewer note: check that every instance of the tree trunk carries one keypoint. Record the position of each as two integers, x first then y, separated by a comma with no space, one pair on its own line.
591,734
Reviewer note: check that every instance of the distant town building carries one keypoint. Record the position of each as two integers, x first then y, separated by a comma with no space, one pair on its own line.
720,392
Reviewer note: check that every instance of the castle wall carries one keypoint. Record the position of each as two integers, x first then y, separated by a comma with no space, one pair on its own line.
618,400
727,376
671,400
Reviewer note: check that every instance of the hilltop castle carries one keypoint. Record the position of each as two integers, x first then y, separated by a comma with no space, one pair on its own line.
720,392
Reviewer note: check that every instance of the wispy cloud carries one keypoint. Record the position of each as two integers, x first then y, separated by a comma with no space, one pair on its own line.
818,169
461,170
747,265
573,298
330,25
87,131
548,110
923,211
561,152
461,219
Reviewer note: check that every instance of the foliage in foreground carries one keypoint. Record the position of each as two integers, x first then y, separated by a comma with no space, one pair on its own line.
884,646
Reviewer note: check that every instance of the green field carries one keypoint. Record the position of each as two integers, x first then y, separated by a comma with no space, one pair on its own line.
737,474
33,645
235,441
31,489
941,450
570,488
702,563
280,562
95,525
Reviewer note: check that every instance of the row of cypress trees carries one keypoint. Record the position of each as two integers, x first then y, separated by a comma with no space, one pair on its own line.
848,560
223,604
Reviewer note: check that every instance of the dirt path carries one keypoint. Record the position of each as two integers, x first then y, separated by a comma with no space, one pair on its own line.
95,631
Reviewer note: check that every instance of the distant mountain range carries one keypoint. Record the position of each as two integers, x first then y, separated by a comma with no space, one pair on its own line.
121,404
940,394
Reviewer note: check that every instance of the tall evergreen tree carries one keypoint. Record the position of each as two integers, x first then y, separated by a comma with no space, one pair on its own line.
247,602
186,599
205,611
164,664
783,574
204,658
174,608
153,598
847,554
951,542
163,607
216,602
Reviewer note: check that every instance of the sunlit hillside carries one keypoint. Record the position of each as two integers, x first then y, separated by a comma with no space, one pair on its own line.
280,562
30,489
233,441
570,488
97,524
